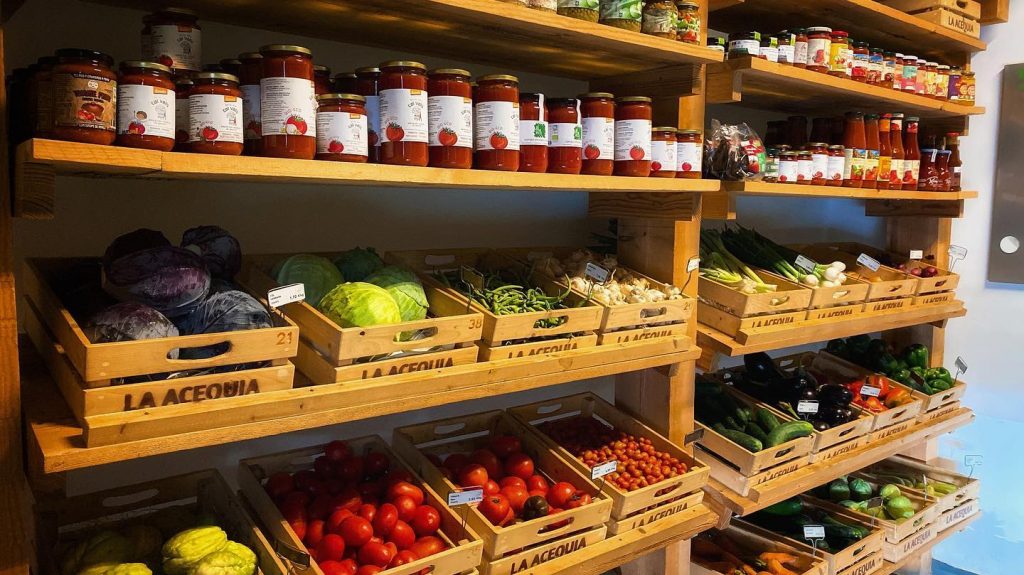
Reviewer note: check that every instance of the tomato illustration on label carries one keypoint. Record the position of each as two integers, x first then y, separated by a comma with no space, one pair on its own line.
687,167
499,141
448,137
86,115
636,153
655,166
394,132
872,174
209,133
373,138
908,177
295,126
800,177
335,147
93,108
783,179
592,152
136,128
818,175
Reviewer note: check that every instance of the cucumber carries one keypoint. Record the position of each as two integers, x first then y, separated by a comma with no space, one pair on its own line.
744,415
836,528
732,423
789,507
754,430
789,431
766,419
745,441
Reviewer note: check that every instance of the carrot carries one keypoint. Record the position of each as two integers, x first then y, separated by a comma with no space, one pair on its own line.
784,558
777,569
764,573
748,570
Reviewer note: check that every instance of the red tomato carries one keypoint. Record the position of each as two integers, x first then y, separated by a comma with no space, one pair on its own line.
427,520
348,499
376,539
369,570
407,489
351,469
505,445
303,479
406,507
489,460
552,510
314,532
403,557
321,507
385,519
279,485
297,499
375,554
334,568
367,511
543,494
579,499
402,535
519,465
513,481
376,464
350,566
456,461
397,475
294,511
516,495
338,450
473,475
495,508
370,489
331,548
490,488
427,546
509,518
299,527
356,531
537,483
560,494
336,519
323,467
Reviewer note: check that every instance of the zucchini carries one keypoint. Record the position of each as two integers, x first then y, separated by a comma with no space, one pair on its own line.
753,429
766,419
790,507
745,441
789,431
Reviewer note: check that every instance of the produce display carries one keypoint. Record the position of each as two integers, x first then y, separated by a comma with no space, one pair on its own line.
507,291
356,513
931,487
743,245
912,367
717,551
753,429
789,517
621,287
718,263
889,395
884,501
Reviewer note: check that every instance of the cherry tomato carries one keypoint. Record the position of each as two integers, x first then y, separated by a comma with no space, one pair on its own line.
299,527
323,467
426,521
356,531
407,489
397,475
349,566
516,495
537,483
427,545
296,498
403,557
406,507
369,570
279,485
351,469
489,460
314,532
334,568
375,554
331,548
505,445
367,511
509,518
303,479
519,465
495,508
579,499
456,461
513,481
338,450
560,494
336,519
385,519
376,464
294,511
348,499
321,507
490,488
473,475
402,535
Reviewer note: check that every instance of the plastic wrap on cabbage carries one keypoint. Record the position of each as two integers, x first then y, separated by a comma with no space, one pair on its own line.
129,322
172,280
218,248
406,290
358,263
733,152
316,273
223,312
137,241
360,304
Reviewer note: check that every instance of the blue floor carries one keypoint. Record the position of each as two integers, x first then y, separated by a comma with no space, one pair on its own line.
940,568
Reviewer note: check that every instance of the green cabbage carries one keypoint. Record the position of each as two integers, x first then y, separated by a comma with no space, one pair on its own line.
316,273
405,288
360,304
357,263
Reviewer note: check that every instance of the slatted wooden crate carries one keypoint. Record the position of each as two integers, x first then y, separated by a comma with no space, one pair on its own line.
952,20
968,487
654,513
753,541
739,327
883,284
945,281
464,546
969,8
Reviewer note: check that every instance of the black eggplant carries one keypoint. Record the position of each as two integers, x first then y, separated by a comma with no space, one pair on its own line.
805,378
831,414
835,394
760,367
820,425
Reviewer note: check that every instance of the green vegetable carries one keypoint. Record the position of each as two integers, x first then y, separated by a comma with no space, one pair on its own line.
187,548
746,441
117,569
916,355
406,290
860,490
358,263
102,547
839,490
789,431
754,430
837,347
719,264
889,491
938,373
360,304
857,346
788,507
731,423
899,508
232,559
837,528
766,419
317,274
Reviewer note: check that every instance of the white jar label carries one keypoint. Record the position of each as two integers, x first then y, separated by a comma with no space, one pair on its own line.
181,125
770,53
688,154
787,54
663,156
800,53
180,47
496,126
788,171
565,135
819,166
803,170
819,51
598,138
895,172
145,111
373,117
752,47
836,165
287,106
533,133
403,115
214,118
632,140
252,123
341,133
451,121
911,171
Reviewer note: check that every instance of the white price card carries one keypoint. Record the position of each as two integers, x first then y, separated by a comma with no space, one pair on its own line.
957,252
916,254
596,273
961,365
284,295
870,391
471,277
465,497
807,406
805,263
972,460
602,469
868,262
814,531
692,264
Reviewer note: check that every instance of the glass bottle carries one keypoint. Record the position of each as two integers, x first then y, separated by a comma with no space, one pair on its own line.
884,153
840,55
942,166
898,154
912,157
929,174
855,148
955,165
871,151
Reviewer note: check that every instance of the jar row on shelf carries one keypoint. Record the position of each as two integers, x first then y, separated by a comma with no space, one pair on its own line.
673,19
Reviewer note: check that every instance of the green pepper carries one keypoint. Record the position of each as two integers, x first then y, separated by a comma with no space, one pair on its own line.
918,371
858,345
916,355
939,384
901,375
900,364
885,363
928,389
877,347
938,373
836,347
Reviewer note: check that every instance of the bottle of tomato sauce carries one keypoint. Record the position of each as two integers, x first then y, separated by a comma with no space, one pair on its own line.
533,133
450,118
565,136
145,106
84,97
367,85
496,123
633,116
341,128
855,147
250,74
288,102
598,111
404,113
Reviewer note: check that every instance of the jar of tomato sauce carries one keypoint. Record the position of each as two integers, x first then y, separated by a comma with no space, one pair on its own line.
861,62
819,163
533,133
287,102
840,62
450,118
836,164
321,80
341,128
565,136
942,83
804,167
633,116
182,89
788,167
145,106
172,37
663,152
84,97
403,113
344,83
800,47
215,114
250,74
496,123
689,153
819,48
40,97
232,66
598,111
368,86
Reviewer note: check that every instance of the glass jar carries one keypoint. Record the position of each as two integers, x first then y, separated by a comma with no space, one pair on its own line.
232,66
787,54
836,162
321,80
771,166
689,154
496,123
182,89
84,97
800,47
565,136
345,80
173,37
215,114
861,62
533,133
626,14
821,129
954,164
659,18
588,10
788,167
769,49
450,118
598,111
819,48
928,178
368,86
967,88
743,44
403,113
897,72
819,162
942,167
876,67
840,61
921,81
908,79
688,22
804,167
548,5
40,97
796,131
954,83
145,106
663,152
931,78
855,144
633,116
942,83
888,70
341,128
716,43
250,73
287,102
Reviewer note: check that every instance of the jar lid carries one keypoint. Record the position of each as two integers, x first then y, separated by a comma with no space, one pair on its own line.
689,132
639,99
859,44
83,54
818,144
952,134
565,102
854,115
687,4
147,65
341,96
955,69
665,129
788,154
797,31
909,57
46,61
716,41
368,70
250,56
498,78
345,75
230,62
897,115
402,64
840,34
819,29
319,68
286,48
449,72
943,67
216,76
176,10
607,95
969,73
745,36
784,147
839,147
870,116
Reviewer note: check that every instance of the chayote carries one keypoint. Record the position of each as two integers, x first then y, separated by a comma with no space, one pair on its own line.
117,569
145,539
187,548
233,559
102,547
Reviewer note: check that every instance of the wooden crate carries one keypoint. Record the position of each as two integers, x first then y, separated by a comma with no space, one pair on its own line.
849,561
320,371
938,404
753,542
889,422
544,346
968,488
590,405
958,514
739,327
727,474
884,284
932,299
901,537
837,313
654,513
969,8
952,20
888,305
464,545
467,433
498,329
853,292
66,520
945,281
676,331
99,364
528,560
787,297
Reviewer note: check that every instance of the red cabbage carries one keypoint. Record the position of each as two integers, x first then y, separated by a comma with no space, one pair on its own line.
172,280
127,244
222,312
129,322
218,248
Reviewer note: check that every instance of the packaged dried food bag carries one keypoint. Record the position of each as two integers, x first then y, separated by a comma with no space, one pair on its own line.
734,152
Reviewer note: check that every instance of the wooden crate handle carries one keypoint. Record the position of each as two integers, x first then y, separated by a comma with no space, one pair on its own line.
653,312
449,428
840,294
130,499
962,4
777,301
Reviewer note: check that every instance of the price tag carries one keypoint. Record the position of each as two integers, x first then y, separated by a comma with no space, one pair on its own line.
870,391
692,264
972,460
957,252
868,262
916,254
471,277
875,502
596,273
603,469
695,435
961,365
807,406
805,263
284,295
465,497
814,532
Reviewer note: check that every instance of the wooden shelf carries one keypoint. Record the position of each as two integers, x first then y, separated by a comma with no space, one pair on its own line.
923,551
815,474
56,440
486,31
801,191
765,339
767,85
864,19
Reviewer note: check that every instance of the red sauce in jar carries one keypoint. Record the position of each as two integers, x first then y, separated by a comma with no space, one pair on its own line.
689,153
84,97
321,80
598,110
533,133
819,48
450,118
663,152
182,89
819,163
215,113
368,86
341,128
345,83
287,102
565,136
633,116
172,37
855,147
145,106
836,162
250,74
804,167
496,123
40,97
403,114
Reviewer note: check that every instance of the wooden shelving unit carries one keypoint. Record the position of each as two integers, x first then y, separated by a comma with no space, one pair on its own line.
889,567
801,191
